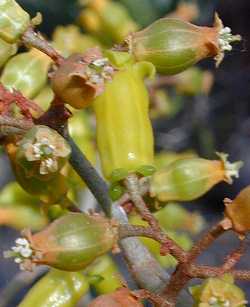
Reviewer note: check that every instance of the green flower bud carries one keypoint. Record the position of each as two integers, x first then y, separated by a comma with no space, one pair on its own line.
42,152
44,98
70,243
238,211
6,51
19,210
188,179
106,274
69,40
14,21
175,217
120,298
124,132
194,81
218,292
107,20
26,72
56,288
164,158
173,45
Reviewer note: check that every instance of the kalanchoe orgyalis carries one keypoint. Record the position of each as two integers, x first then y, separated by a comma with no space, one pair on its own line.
82,77
218,292
42,152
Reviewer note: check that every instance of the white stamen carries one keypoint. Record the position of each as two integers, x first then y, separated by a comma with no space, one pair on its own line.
213,300
100,62
96,79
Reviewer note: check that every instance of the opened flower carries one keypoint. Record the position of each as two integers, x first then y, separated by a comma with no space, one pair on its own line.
42,151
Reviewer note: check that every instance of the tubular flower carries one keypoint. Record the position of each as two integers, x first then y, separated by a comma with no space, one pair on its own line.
108,20
70,243
188,179
173,45
14,21
6,51
26,72
69,40
124,132
56,288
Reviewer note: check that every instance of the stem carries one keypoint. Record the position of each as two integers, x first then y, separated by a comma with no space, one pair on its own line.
89,175
203,271
206,241
31,38
14,122
133,185
141,231
155,232
144,267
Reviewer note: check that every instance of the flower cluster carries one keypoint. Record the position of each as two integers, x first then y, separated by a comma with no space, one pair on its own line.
21,252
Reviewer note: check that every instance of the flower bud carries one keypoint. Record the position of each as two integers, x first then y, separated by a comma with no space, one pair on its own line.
124,132
14,21
108,20
194,81
221,292
44,98
26,72
19,210
173,45
56,288
238,211
176,217
81,78
107,275
182,239
188,179
42,152
6,51
120,298
164,158
70,243
69,40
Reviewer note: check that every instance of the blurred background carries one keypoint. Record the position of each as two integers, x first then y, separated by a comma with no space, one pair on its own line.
213,117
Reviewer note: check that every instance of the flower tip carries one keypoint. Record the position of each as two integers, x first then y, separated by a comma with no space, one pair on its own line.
231,169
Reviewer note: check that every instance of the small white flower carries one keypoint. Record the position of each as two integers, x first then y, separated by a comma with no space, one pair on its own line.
96,79
26,252
22,241
18,260
226,304
16,249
